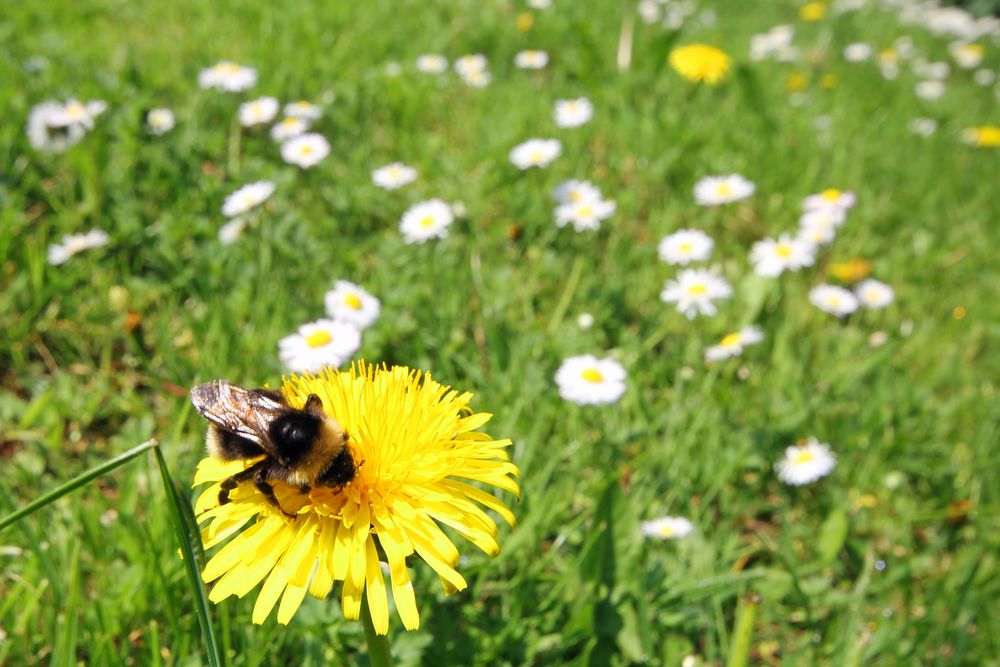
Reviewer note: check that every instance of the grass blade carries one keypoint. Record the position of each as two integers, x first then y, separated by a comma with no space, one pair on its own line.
186,539
76,483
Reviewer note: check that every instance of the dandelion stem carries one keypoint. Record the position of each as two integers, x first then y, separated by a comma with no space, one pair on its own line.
571,284
378,645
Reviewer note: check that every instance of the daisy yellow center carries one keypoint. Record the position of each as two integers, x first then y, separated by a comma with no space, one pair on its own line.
732,340
972,49
290,122
227,68
319,339
685,247
592,375
783,250
76,110
830,194
306,150
536,156
395,172
698,289
575,196
833,300
723,189
666,531
805,456
353,301
426,221
585,211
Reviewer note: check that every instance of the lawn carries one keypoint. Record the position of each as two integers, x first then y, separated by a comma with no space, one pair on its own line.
890,559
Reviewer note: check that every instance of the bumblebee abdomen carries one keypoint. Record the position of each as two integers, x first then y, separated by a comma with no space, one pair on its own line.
227,445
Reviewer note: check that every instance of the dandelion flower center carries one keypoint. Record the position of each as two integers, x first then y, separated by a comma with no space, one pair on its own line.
700,62
319,339
592,375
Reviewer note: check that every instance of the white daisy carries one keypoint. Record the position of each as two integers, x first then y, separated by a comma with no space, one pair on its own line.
305,150
667,528
923,127
348,302
531,59
393,176
817,235
857,52
834,300
584,215
289,127
75,112
477,78
304,110
470,64
938,71
160,121
713,190
535,153
426,220
432,63
539,4
247,197
805,463
318,344
771,258
685,246
258,112
574,191
830,198
694,290
968,56
47,130
930,89
227,76
874,294
573,113
732,345
587,380
59,253
984,77
231,232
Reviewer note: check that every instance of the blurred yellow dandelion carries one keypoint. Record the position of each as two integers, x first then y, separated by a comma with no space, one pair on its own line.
813,11
852,271
797,82
985,136
525,21
700,62
417,449
829,81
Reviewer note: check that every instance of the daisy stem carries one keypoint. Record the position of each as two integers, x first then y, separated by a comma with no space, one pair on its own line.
378,645
571,284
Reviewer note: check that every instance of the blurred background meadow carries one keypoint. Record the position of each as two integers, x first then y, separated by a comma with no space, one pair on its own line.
891,558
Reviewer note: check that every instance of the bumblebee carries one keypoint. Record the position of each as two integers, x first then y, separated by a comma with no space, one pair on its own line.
302,447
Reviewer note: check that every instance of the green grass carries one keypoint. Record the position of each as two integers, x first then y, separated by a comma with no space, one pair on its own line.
95,577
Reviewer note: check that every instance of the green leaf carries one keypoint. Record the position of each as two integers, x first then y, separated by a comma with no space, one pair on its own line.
76,483
739,651
832,535
185,538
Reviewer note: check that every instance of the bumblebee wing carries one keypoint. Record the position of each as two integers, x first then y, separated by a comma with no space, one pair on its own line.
243,412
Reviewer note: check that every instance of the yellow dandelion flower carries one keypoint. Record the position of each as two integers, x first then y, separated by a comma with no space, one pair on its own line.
813,11
829,81
986,136
852,271
417,449
700,62
797,82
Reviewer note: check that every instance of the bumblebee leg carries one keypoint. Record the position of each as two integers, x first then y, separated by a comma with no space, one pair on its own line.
265,487
232,482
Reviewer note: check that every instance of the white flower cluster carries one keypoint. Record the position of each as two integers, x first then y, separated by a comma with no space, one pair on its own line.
56,126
